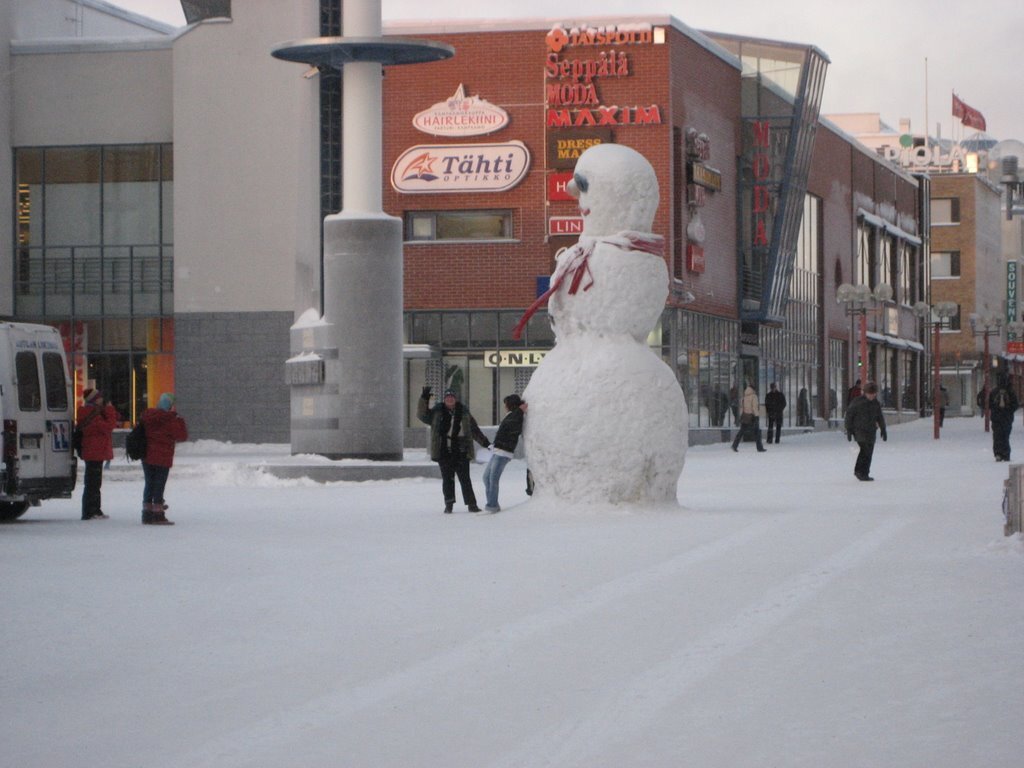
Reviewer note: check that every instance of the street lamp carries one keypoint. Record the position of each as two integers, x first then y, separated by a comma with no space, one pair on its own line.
986,326
856,299
937,317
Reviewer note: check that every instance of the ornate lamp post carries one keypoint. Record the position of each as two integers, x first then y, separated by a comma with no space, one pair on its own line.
937,317
985,326
858,299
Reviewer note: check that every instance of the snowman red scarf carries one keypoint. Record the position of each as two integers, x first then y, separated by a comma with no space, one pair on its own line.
574,266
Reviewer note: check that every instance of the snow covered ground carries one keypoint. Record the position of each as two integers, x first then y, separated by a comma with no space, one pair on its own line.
786,615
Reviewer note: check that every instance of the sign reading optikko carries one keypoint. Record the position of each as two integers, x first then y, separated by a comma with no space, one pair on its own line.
460,168
461,115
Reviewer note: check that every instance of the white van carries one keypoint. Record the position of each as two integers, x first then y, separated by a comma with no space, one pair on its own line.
37,409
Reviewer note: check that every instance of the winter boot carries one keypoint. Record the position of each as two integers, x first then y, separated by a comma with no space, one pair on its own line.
156,515
147,514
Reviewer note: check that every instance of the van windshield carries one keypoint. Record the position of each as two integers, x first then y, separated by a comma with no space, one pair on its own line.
56,383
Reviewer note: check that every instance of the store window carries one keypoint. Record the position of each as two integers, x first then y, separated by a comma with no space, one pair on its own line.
94,257
458,225
945,264
945,210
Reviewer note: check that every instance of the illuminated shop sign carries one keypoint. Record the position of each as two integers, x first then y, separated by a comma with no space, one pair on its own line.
585,118
928,157
571,84
763,183
461,115
560,37
557,183
564,149
518,358
565,225
461,168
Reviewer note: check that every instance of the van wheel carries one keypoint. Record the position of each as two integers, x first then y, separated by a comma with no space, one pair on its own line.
12,510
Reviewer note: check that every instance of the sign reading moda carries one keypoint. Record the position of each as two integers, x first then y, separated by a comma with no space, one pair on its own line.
461,115
571,84
429,168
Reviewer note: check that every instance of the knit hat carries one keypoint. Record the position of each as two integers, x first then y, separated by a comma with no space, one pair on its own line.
90,394
166,401
451,393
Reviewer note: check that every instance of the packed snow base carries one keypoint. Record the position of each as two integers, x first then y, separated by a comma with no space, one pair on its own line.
607,422
788,615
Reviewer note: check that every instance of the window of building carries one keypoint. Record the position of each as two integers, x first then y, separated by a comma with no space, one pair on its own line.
953,324
867,255
945,264
458,225
94,256
908,292
945,210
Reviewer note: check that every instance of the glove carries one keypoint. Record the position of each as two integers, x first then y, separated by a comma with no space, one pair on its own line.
849,437
425,394
885,437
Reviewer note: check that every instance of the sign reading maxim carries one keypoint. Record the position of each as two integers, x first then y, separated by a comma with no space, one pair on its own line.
461,168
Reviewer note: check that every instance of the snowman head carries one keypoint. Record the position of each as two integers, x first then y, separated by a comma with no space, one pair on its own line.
617,190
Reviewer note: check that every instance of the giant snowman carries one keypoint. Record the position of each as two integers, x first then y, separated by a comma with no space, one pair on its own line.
607,422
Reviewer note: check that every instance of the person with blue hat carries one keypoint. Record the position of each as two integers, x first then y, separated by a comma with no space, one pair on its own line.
164,428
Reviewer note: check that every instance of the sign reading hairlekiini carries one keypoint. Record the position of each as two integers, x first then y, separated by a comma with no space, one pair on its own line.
461,115
460,168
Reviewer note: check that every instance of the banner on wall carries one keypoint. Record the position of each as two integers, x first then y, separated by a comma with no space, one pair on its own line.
461,168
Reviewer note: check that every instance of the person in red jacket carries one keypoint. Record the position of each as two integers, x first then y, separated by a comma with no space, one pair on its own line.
164,428
97,420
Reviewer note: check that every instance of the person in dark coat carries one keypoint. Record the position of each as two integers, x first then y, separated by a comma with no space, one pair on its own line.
452,432
1002,403
863,420
774,405
503,448
803,409
97,420
164,428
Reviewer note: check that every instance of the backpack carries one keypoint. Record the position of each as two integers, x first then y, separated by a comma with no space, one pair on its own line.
135,443
78,433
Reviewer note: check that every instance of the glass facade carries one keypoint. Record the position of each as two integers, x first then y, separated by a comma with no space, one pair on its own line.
94,249
790,354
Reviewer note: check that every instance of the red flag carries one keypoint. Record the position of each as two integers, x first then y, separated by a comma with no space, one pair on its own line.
969,116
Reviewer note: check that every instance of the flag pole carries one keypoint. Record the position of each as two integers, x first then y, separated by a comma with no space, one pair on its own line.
927,141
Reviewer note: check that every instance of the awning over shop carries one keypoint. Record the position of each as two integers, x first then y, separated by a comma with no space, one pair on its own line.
895,342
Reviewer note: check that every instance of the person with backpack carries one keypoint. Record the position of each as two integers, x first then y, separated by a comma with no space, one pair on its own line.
96,420
164,428
1002,403
503,448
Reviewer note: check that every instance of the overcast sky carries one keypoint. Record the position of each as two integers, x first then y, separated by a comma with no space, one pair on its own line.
877,47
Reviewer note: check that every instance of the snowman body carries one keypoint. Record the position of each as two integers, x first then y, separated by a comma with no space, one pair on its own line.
607,420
